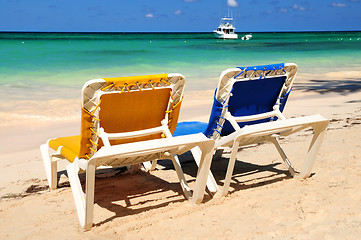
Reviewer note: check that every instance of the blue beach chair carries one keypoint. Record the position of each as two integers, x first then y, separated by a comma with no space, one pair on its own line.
247,109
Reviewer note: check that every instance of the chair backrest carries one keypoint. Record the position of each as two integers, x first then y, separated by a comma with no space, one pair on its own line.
248,91
128,104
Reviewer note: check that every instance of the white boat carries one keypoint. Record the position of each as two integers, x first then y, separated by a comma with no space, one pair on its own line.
226,29
247,37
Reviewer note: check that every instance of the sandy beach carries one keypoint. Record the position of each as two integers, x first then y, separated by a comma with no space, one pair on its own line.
264,202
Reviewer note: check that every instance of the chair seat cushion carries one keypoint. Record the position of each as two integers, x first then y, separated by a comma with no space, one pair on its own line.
185,128
70,146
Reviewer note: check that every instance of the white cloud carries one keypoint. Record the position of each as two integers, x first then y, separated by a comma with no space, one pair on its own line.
297,7
232,3
178,12
283,10
268,11
338,5
149,15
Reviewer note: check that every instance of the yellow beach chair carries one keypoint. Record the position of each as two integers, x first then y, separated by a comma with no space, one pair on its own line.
126,121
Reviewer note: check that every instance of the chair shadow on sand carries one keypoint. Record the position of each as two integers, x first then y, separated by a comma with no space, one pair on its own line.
125,194
128,194
246,175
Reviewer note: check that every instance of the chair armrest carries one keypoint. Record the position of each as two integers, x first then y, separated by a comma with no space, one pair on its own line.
106,137
274,113
234,120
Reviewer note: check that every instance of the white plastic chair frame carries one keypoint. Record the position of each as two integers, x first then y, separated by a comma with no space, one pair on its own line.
129,154
263,132
271,132
158,149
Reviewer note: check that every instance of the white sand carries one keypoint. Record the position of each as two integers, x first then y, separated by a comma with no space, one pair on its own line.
264,203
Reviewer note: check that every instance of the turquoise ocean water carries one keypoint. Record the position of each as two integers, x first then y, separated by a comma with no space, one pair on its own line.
46,66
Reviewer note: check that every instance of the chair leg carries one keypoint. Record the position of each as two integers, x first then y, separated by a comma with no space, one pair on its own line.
183,182
317,139
84,204
319,133
284,156
230,168
154,165
50,166
218,154
204,167
211,182
133,169
89,195
150,166
205,160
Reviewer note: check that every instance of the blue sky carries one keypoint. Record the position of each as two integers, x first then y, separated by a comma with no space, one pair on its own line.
178,15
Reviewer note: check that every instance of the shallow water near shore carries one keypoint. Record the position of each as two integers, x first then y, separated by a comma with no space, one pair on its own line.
40,67
69,59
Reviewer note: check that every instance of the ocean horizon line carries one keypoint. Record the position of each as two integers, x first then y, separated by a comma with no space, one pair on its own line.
169,32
